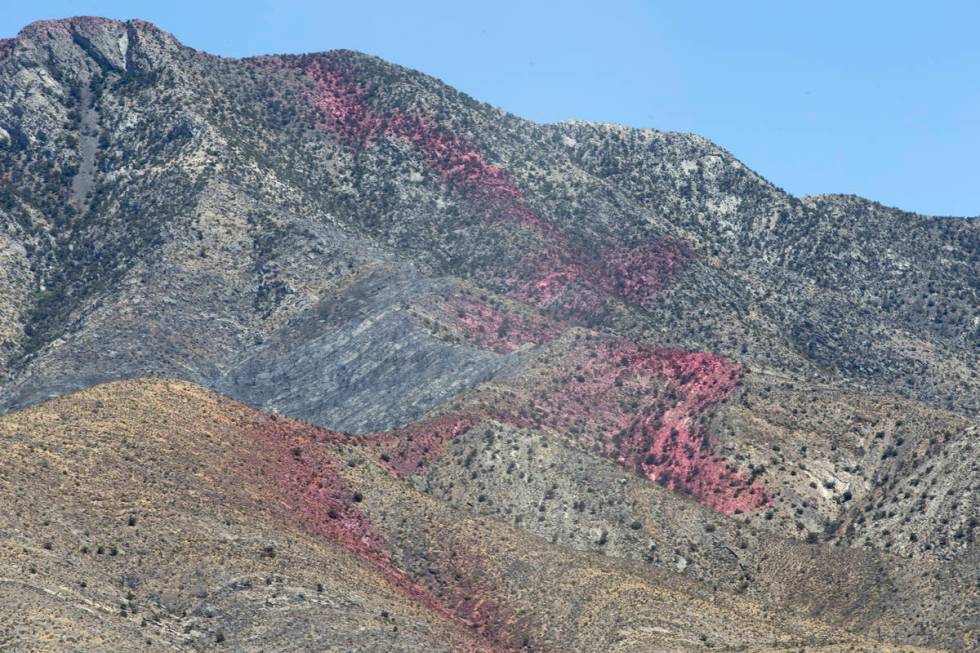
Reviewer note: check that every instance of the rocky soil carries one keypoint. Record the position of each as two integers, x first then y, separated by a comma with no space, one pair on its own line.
155,515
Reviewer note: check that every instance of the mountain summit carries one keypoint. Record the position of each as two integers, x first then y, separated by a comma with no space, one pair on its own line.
548,387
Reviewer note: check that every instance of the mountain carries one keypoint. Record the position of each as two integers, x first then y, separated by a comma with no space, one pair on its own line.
608,381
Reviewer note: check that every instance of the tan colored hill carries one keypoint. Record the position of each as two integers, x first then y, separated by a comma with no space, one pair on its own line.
157,515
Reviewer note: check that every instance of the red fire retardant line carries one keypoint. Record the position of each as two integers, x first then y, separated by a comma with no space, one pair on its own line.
322,500
636,275
663,441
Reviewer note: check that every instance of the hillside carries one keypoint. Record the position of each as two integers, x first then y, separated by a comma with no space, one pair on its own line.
581,350
156,515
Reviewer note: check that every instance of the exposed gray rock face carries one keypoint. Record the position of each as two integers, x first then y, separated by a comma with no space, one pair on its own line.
329,366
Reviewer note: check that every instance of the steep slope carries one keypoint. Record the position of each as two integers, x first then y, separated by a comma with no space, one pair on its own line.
154,514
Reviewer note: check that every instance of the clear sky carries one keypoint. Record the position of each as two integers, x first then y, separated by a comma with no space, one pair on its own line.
876,98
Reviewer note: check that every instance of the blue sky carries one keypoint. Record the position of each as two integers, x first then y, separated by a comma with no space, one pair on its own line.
881,99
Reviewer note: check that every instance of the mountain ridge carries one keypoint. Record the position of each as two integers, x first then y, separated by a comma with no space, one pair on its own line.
573,122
